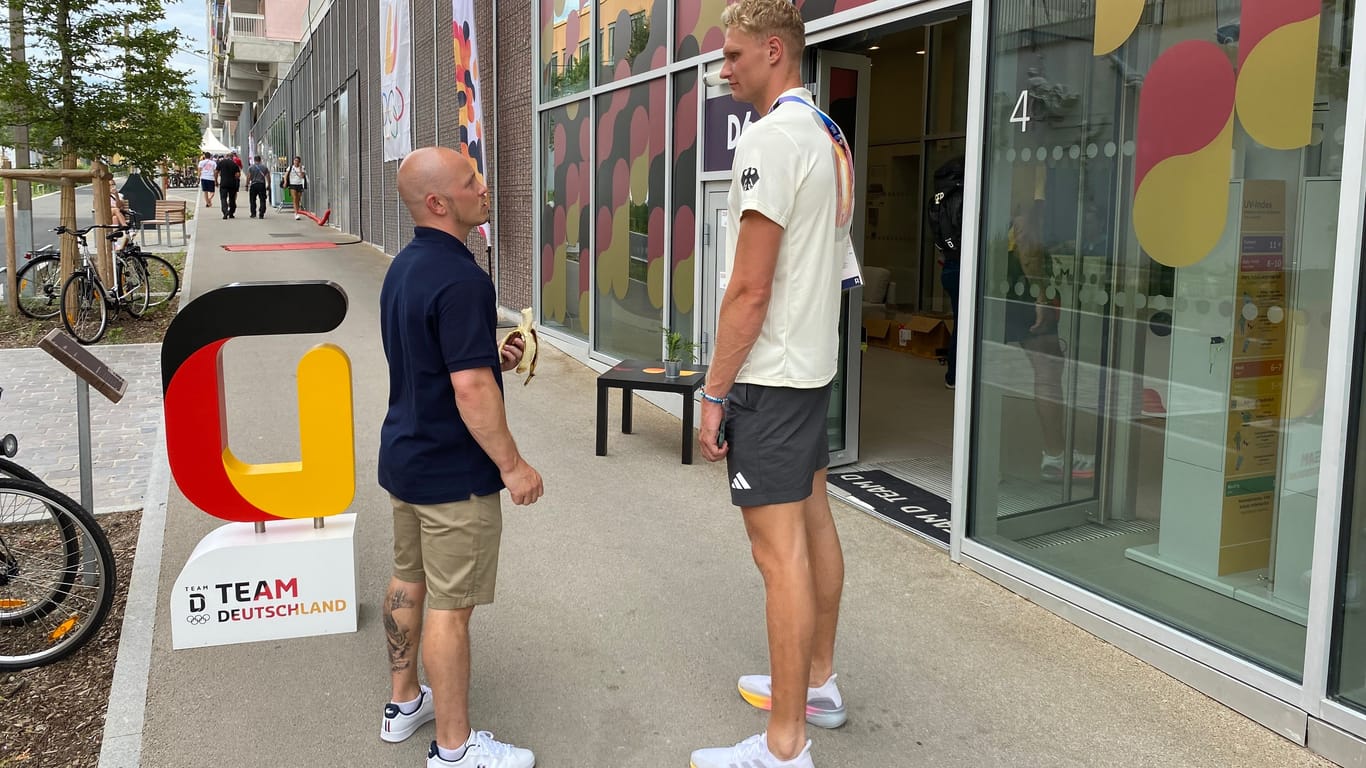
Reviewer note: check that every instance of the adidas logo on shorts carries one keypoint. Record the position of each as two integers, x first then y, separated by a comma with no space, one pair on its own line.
739,483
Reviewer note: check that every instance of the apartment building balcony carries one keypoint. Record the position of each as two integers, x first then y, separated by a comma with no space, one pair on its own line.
260,31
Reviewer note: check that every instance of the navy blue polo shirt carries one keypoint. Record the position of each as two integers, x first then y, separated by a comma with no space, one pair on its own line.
437,315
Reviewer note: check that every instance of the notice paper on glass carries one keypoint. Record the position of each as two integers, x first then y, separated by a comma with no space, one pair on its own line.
850,276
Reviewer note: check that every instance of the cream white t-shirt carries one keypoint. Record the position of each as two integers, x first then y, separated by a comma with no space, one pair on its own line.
789,168
206,169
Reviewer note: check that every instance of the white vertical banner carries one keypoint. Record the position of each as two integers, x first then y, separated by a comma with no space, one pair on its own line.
468,91
396,77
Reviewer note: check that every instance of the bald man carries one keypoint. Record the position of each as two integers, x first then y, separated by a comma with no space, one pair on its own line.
445,454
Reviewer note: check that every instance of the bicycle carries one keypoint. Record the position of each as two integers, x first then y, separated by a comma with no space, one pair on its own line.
38,283
85,300
56,569
162,278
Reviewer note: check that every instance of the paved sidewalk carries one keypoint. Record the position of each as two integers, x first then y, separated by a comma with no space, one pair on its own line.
39,407
627,606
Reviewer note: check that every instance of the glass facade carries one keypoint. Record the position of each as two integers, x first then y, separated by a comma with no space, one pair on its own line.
629,220
1157,236
632,36
565,213
565,47
683,261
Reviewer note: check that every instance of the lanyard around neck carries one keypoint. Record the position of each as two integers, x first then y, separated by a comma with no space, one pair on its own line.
835,133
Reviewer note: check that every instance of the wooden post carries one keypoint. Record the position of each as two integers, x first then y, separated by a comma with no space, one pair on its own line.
11,258
67,217
104,261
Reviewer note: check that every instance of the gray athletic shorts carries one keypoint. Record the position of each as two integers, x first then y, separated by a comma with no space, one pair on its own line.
777,442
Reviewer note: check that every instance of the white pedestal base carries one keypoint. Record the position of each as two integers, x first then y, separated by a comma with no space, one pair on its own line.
240,586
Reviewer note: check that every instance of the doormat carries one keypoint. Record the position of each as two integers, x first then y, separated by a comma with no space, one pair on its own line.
278,246
898,502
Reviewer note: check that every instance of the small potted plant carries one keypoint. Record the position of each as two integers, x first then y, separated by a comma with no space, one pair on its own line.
677,351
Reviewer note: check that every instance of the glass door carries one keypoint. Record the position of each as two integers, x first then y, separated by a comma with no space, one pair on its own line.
842,83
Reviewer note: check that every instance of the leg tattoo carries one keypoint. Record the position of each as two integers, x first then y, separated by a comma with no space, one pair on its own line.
400,644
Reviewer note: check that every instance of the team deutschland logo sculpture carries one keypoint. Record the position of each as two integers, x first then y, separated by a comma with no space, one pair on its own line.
276,570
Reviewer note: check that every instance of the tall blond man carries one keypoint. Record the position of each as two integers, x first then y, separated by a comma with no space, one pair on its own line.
777,349
445,455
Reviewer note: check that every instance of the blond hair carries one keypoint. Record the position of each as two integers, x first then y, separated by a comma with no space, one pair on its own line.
765,18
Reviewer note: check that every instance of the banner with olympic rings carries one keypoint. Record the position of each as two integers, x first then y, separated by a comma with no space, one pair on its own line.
396,77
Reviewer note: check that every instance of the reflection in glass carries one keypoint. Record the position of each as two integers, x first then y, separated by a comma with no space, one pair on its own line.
683,262
629,220
565,51
632,34
697,27
565,216
1152,326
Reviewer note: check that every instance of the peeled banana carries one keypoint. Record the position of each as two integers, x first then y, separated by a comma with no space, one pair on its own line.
526,331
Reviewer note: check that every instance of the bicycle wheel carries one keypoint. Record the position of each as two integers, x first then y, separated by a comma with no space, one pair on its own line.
163,281
85,312
38,284
11,469
56,575
133,285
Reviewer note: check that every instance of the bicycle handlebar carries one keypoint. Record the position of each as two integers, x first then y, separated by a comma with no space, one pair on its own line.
62,230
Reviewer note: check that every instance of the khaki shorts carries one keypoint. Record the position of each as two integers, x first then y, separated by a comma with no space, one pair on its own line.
452,547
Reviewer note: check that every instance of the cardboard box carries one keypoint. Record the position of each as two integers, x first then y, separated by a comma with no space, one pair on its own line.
921,334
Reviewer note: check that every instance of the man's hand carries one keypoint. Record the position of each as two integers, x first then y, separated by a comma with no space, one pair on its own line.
712,415
523,483
512,353
1041,319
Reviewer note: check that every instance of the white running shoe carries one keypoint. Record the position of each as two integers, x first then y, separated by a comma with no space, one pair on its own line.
824,705
750,753
296,217
483,751
398,725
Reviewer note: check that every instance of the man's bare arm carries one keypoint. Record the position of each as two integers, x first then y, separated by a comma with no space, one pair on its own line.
746,301
481,407
480,402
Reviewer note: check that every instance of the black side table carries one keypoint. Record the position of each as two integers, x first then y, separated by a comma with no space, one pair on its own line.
637,374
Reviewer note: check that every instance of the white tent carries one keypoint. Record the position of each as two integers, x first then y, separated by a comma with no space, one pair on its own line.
211,144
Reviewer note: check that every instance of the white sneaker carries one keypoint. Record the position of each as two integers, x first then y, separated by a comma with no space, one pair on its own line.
483,751
1083,467
296,217
398,726
824,705
750,753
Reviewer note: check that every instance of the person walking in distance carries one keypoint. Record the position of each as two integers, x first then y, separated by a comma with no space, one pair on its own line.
445,453
258,185
208,171
296,178
229,179
768,386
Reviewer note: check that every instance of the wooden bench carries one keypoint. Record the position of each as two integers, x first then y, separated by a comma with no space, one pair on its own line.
168,214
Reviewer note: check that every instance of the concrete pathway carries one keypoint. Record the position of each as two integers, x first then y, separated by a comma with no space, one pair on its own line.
627,606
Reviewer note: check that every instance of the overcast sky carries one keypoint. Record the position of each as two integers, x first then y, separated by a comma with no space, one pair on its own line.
190,17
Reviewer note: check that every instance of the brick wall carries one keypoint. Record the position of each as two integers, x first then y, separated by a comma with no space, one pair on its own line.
512,144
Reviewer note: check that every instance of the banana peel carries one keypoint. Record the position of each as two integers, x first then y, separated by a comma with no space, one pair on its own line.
526,331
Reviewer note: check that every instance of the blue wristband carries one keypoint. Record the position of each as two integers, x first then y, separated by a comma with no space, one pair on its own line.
710,399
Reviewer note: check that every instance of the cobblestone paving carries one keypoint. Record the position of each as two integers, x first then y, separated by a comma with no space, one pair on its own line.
39,407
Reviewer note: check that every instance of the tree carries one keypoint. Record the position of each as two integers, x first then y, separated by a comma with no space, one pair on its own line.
98,77
97,83
640,37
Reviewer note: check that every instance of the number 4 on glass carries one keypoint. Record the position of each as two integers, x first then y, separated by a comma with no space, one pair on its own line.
1021,113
